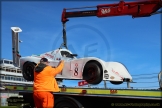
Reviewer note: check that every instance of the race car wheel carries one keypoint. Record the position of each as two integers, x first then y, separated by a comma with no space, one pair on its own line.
92,73
28,71
67,102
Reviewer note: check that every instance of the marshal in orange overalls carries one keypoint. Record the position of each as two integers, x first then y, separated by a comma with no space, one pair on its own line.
45,84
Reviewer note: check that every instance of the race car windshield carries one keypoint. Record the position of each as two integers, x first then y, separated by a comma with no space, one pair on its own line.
66,54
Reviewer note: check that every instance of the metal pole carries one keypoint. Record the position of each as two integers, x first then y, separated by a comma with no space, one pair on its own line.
64,36
105,84
128,84
89,85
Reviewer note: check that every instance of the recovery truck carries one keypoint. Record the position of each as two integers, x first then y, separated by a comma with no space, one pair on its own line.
73,97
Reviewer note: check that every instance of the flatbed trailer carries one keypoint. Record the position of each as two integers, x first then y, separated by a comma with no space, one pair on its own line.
73,97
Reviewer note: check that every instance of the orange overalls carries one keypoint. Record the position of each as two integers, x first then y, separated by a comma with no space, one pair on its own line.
44,85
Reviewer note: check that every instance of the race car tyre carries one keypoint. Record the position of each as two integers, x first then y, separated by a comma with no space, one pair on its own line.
28,71
67,102
116,82
92,73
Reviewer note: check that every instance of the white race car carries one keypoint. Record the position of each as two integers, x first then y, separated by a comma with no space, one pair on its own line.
91,69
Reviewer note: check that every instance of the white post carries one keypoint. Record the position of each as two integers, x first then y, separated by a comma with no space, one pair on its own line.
15,45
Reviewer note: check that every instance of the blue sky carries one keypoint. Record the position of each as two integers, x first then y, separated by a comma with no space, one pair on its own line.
134,42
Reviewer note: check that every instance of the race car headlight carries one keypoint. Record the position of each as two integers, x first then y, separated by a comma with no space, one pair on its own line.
105,71
106,76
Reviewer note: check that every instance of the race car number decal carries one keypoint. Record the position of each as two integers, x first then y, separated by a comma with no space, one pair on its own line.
117,73
49,55
76,69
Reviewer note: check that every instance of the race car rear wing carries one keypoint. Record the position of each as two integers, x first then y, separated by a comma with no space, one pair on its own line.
15,46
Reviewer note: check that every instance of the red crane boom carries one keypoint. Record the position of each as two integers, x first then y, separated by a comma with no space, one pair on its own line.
134,9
